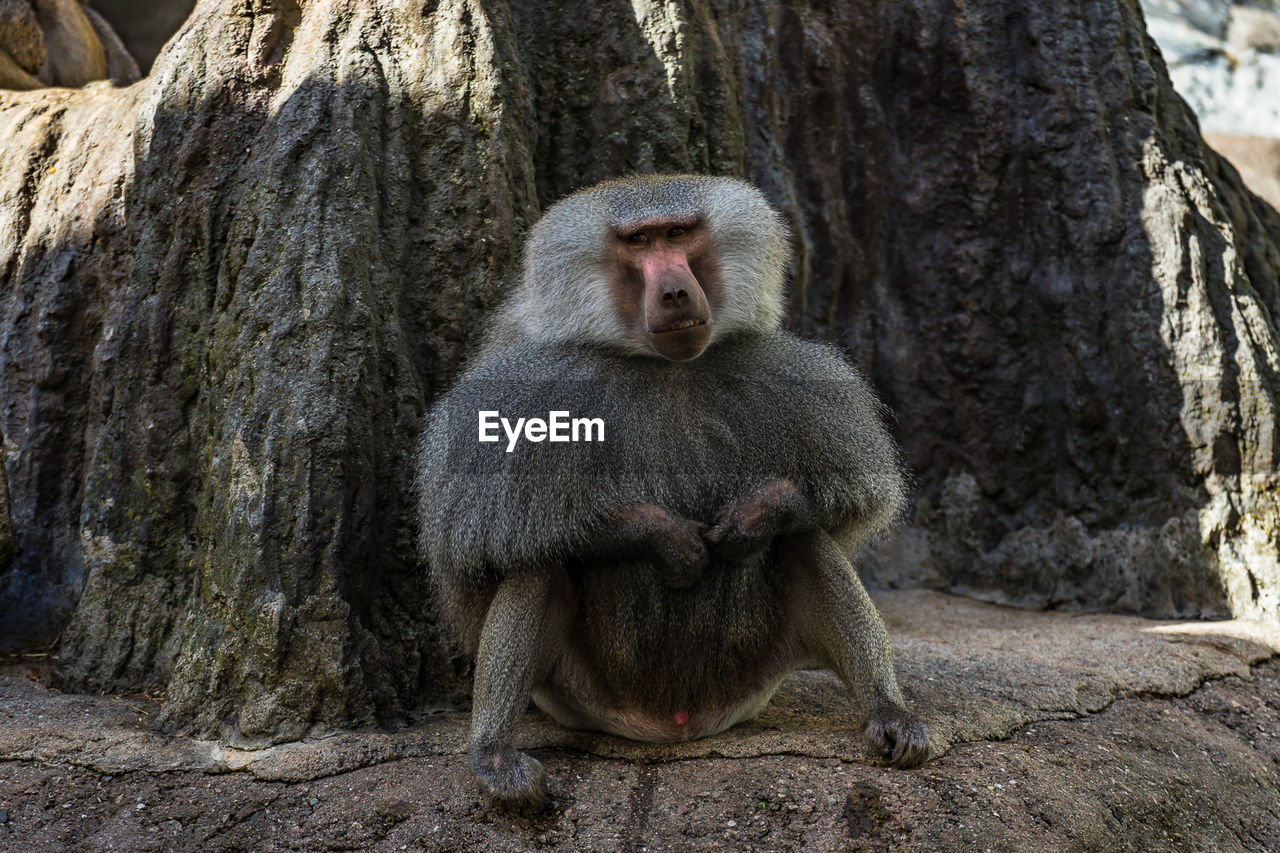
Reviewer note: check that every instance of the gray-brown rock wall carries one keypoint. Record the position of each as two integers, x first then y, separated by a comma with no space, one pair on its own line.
1075,321
6,527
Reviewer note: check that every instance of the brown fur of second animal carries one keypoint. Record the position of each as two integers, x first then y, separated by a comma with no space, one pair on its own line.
59,43
658,584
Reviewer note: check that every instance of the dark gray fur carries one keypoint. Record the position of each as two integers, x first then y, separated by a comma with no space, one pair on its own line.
610,635
688,436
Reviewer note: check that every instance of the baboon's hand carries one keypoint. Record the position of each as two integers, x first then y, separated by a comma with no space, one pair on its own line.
681,554
512,779
748,526
674,544
899,737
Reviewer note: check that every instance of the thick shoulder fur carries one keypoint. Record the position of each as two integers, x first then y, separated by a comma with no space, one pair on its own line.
687,436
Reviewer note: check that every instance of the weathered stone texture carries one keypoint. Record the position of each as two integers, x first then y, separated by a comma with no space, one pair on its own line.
6,527
1075,322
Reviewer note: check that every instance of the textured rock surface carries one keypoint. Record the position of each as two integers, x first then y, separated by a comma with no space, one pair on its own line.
1065,732
6,527
1074,315
231,290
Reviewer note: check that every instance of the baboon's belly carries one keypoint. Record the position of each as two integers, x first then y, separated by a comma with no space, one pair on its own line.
658,664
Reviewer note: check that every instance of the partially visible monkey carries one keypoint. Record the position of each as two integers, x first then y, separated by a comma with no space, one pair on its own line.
659,584
59,43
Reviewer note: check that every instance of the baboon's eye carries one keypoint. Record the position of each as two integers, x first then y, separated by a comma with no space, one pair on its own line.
638,239
677,231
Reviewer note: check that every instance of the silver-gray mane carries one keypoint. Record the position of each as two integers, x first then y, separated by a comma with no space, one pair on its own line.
564,293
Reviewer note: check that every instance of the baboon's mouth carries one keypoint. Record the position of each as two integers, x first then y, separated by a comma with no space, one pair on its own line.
677,326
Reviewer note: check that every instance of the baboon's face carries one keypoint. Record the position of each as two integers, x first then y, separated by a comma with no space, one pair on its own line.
666,284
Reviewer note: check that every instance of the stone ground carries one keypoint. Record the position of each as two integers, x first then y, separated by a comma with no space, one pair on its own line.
1061,732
